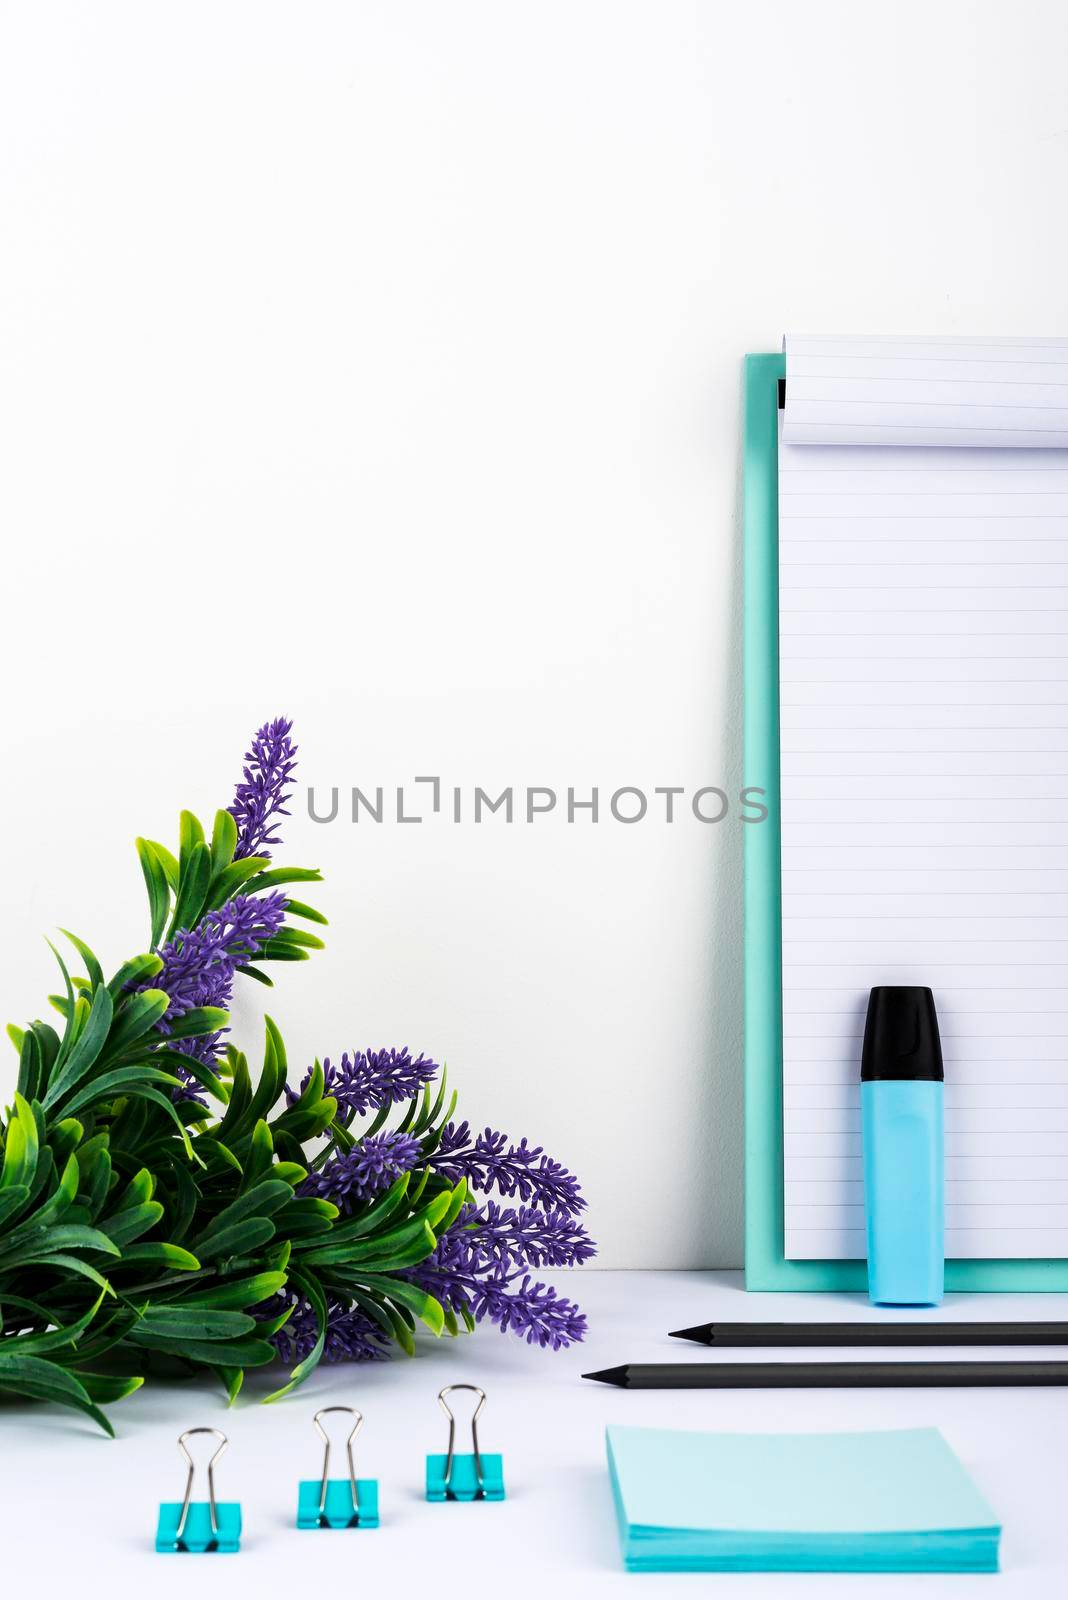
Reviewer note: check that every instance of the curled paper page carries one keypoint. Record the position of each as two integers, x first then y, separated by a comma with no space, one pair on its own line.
979,393
923,706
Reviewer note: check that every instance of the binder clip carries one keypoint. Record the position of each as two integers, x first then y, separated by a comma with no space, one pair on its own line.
196,1527
461,1477
338,1502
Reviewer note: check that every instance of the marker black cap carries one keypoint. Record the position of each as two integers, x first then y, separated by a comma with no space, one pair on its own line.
901,1036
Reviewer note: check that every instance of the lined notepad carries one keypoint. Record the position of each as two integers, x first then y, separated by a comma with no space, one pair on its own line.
923,592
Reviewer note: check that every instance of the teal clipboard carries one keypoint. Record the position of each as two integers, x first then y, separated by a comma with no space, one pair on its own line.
766,1266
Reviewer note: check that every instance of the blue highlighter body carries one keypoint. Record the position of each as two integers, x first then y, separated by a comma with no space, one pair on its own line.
902,1095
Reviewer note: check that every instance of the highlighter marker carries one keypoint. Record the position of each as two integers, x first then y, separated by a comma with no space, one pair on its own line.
901,1094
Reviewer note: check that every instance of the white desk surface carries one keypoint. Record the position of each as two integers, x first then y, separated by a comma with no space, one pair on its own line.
76,1504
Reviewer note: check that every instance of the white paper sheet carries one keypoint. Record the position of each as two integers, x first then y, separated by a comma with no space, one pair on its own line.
924,727
979,393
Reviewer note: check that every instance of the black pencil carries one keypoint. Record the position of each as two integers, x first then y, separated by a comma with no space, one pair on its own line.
762,1335
834,1374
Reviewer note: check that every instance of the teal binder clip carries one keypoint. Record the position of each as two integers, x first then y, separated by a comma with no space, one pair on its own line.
196,1527
473,1477
338,1502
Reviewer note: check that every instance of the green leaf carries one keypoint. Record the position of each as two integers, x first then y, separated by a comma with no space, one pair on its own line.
299,937
153,1254
291,1172
198,1020
68,1008
425,1307
37,1379
109,1085
297,908
141,1187
59,1338
380,1212
12,1200
192,888
223,841
136,1016
241,1238
277,950
106,1388
260,977
306,1218
227,1352
130,1224
231,878
48,1039
260,1156
59,1201
159,894
183,1321
94,1167
93,969
61,1262
232,1378
21,1148
30,1066
162,1057
91,1041
239,1292
143,1092
277,875
225,1155
261,1200
168,862
30,1243
134,972
395,1258
308,1287
190,834
64,1138
388,1318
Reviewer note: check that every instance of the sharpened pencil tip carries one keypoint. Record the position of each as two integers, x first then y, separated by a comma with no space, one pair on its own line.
698,1335
616,1375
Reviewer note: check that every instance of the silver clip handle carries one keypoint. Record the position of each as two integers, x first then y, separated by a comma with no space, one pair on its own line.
325,1412
472,1388
183,1518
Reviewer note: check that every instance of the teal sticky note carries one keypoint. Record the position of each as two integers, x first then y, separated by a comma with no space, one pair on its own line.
893,1501
197,1535
463,1478
339,1511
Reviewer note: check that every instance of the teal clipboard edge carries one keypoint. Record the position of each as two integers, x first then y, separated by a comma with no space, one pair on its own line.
766,1266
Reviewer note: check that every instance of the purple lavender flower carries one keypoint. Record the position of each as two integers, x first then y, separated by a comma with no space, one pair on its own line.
534,1311
372,1078
369,1167
457,1274
517,1238
199,966
260,798
490,1163
480,1266
199,963
350,1335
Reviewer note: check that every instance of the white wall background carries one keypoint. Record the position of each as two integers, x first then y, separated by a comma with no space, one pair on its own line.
379,363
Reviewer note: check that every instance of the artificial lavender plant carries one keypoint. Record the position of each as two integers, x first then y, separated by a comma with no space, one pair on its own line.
160,1206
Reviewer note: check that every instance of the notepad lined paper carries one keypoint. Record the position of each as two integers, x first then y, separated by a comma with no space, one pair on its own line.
923,596
978,393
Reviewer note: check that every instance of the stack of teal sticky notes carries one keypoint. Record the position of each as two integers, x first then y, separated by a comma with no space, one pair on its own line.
896,1501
